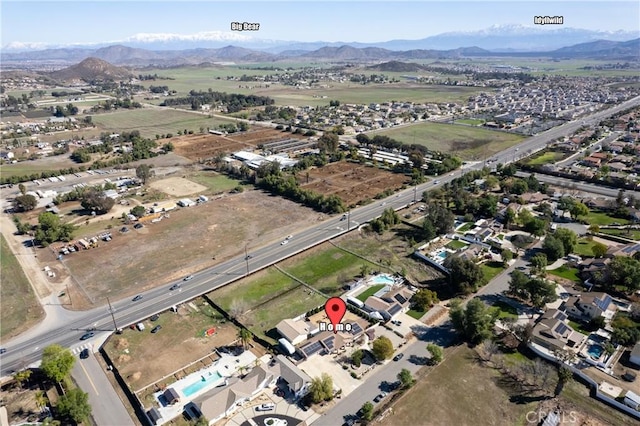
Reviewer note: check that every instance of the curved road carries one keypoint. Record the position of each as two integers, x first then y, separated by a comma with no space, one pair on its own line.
22,352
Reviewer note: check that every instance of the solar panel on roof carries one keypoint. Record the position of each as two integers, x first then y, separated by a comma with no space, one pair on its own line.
394,309
604,302
400,298
561,315
311,348
355,328
561,328
329,342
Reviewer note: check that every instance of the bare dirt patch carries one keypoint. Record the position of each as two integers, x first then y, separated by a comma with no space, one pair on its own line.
353,183
183,243
179,343
177,186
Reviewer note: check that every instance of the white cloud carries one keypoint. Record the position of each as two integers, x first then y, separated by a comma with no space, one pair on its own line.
201,36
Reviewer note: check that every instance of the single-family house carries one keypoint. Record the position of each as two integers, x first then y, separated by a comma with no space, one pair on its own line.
553,332
295,332
634,357
587,306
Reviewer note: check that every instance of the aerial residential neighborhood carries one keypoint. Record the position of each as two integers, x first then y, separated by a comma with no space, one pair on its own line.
225,214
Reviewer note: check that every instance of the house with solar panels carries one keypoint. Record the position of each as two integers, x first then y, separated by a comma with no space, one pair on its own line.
553,332
587,306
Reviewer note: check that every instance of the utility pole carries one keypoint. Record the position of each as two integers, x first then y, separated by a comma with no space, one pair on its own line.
246,257
112,316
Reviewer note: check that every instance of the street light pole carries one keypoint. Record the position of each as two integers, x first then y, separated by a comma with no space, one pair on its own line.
246,257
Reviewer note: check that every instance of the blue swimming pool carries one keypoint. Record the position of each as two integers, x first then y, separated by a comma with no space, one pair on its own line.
205,380
595,351
382,279
443,255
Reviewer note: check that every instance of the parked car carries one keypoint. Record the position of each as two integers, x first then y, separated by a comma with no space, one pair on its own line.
84,354
155,317
398,357
138,226
266,407
86,336
155,329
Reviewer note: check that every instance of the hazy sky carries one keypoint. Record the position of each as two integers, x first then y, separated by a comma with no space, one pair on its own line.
64,22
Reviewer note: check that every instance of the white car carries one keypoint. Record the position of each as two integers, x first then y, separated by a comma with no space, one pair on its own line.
284,242
289,237
266,407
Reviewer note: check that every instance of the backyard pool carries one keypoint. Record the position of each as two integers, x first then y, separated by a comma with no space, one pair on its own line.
443,255
205,380
382,279
595,351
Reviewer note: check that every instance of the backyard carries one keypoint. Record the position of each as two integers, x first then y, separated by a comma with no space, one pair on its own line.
565,272
602,218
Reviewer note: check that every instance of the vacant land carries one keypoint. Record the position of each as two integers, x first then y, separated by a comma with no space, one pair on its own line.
177,186
154,121
20,307
353,183
214,182
269,296
601,218
180,342
184,243
549,157
37,166
468,142
457,392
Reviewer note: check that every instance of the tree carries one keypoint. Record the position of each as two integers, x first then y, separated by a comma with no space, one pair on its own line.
74,405
437,354
321,388
578,209
565,375
367,411
465,275
50,229
94,199
168,147
475,322
428,230
568,237
553,247
22,376
200,421
22,188
364,270
539,263
442,218
598,249
507,255
328,142
594,229
57,362
245,337
25,202
509,217
382,348
424,299
625,271
356,357
144,173
138,211
406,378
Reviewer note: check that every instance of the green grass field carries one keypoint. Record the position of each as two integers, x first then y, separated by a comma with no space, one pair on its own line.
20,307
370,292
469,143
456,244
216,183
632,234
549,157
584,247
505,310
566,272
601,218
491,269
471,121
151,121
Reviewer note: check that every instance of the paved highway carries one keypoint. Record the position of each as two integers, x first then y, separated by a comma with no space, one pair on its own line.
23,353
606,191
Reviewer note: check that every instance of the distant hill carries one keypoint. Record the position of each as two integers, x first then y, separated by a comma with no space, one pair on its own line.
396,66
91,69
602,49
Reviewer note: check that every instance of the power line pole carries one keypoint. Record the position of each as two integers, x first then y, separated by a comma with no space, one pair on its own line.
115,326
246,258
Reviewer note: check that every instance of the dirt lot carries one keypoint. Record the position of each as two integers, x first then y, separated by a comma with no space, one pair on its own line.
177,186
179,343
183,243
197,147
352,182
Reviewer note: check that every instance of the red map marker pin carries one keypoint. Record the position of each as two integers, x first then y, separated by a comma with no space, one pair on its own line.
335,309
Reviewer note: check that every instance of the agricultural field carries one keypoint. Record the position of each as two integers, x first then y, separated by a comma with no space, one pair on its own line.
353,183
467,142
154,121
37,166
197,147
183,243
180,341
187,79
20,306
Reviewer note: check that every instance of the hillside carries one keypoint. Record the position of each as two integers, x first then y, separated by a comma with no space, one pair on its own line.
92,69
